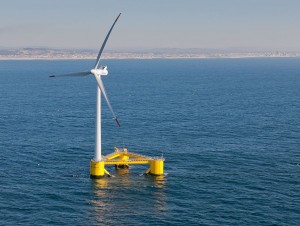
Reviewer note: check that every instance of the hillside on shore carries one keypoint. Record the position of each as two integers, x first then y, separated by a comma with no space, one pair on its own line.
49,53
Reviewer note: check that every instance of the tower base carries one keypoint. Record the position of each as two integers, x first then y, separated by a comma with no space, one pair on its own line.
97,169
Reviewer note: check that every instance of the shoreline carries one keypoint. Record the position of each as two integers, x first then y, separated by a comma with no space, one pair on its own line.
142,58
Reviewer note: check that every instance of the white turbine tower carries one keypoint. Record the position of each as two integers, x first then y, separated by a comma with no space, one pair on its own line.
98,71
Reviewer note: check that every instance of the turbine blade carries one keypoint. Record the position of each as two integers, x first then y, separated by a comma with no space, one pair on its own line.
104,43
75,74
101,86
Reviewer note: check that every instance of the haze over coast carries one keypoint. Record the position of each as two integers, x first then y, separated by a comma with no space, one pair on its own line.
52,53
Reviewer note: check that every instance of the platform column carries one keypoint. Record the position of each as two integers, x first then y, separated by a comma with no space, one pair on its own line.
124,157
97,169
157,167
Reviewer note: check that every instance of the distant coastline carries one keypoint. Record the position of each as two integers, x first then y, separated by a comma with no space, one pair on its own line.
61,54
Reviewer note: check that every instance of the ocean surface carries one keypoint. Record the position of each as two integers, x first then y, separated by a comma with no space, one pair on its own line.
229,130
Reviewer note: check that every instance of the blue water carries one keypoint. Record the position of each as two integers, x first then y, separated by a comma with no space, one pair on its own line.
228,128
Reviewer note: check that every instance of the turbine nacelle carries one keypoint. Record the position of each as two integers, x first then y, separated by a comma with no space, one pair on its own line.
101,71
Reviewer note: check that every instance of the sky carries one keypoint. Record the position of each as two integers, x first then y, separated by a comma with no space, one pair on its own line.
210,24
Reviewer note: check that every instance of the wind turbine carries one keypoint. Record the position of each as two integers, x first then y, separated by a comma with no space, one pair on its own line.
119,157
98,71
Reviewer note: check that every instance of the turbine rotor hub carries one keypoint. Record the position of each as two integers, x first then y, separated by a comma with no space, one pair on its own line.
101,71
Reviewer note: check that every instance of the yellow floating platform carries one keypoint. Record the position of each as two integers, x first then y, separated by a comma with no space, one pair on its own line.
121,158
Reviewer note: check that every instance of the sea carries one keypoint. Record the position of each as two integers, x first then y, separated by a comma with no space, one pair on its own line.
229,130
